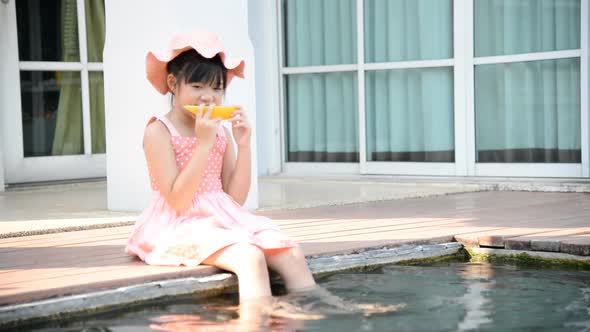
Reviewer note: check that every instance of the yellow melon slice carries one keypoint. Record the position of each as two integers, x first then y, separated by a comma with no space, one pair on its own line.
221,112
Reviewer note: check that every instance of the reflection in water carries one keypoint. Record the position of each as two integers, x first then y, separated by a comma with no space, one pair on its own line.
285,313
193,323
478,280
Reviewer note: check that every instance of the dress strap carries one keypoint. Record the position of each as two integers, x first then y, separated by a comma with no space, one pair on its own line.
221,131
169,125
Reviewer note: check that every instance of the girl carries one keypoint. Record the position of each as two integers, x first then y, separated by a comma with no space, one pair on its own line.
196,214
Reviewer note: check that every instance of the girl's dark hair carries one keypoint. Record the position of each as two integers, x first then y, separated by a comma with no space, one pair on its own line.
191,67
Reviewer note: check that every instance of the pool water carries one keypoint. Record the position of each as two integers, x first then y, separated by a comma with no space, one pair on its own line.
436,297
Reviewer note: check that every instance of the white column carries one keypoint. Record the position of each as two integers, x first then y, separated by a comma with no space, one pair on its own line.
132,28
264,35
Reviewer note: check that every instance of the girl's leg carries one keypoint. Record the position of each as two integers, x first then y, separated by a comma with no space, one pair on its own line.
291,265
249,264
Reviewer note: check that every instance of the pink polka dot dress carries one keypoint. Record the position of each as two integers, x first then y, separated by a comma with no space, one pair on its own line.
214,220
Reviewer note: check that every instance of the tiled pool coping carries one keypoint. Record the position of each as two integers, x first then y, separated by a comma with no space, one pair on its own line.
216,283
209,285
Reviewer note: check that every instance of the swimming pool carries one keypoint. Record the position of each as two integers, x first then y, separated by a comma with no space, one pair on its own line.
435,297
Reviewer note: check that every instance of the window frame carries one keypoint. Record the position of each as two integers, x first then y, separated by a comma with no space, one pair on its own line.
463,63
530,169
361,68
84,67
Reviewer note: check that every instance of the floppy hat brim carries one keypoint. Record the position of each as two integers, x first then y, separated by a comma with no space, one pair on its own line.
156,62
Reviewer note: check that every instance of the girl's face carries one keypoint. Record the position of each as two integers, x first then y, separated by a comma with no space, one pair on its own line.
197,93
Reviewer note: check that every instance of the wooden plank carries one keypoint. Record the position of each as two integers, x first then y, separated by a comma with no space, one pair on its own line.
371,227
62,261
45,239
444,206
343,229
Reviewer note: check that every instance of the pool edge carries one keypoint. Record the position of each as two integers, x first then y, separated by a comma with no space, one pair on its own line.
206,286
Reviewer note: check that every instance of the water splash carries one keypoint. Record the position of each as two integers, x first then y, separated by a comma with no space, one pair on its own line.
583,303
283,313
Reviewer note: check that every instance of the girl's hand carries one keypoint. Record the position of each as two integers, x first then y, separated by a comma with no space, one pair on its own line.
241,128
205,127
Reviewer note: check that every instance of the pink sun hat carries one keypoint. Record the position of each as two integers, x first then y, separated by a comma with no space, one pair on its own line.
202,41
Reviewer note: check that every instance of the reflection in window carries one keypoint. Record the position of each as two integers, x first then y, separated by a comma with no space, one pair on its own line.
97,112
46,96
95,29
47,30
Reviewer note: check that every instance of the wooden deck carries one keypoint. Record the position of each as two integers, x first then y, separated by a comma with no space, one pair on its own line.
45,266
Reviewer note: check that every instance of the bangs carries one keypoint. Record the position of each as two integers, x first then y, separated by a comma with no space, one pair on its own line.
191,67
208,72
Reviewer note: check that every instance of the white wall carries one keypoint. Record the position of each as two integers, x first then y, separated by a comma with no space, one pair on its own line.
1,149
132,28
264,36
1,157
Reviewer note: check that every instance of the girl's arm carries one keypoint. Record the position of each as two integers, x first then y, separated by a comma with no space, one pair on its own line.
177,187
236,174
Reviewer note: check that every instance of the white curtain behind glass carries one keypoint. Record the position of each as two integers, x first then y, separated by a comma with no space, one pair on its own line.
322,119
409,112
410,115
320,32
527,111
525,26
401,30
321,108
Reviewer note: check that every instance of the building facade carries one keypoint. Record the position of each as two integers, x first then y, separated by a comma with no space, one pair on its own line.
394,87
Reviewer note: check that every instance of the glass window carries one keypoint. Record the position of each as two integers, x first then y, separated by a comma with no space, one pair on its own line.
528,112
47,30
322,117
51,113
95,29
505,27
410,115
402,30
320,32
51,100
97,112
